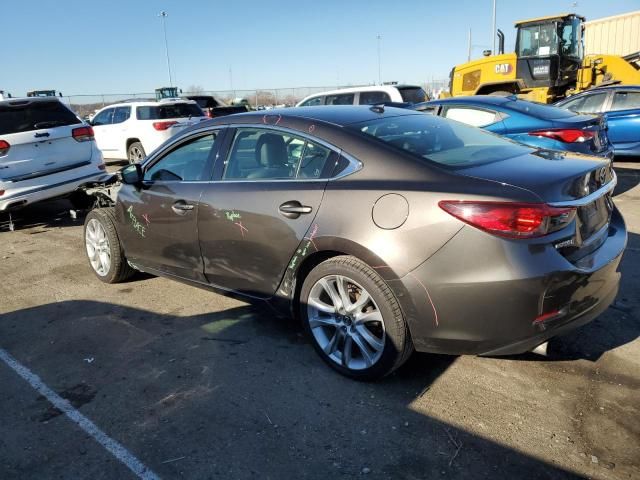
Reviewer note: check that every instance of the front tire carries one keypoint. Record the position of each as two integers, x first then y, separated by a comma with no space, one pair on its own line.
103,248
353,319
135,152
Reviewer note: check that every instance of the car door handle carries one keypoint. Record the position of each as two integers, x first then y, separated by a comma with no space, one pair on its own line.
181,207
293,209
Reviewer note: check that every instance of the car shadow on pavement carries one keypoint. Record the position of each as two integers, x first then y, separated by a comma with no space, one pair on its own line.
235,394
41,216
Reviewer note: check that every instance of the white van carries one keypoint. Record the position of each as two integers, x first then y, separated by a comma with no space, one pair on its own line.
371,95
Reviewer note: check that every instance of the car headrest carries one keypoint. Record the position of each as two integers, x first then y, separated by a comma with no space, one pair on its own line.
271,151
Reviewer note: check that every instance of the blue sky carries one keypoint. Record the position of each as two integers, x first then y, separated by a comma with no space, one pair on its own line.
116,46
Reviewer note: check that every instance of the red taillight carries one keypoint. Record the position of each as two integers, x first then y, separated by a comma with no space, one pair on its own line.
160,126
207,113
4,148
547,316
511,220
82,134
569,135
1,192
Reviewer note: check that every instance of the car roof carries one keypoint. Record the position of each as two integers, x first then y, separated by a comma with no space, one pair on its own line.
364,88
475,100
25,100
339,115
613,87
148,103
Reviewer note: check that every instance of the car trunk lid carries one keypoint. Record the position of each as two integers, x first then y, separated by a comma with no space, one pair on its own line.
561,179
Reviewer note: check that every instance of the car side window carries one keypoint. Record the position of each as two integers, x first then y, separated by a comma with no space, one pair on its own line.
372,98
625,100
313,102
342,99
187,162
471,116
121,114
313,160
103,118
261,154
590,103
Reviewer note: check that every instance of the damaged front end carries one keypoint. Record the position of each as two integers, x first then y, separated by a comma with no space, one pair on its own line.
104,190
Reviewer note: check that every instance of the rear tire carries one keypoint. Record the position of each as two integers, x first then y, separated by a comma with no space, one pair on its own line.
358,329
103,248
135,152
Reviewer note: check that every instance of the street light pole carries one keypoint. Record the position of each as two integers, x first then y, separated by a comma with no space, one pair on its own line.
379,37
163,15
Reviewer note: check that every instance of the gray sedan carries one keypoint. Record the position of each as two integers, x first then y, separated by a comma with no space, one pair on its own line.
384,230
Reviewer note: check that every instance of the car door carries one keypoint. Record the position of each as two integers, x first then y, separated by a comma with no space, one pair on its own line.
476,117
624,121
101,124
254,215
158,220
119,131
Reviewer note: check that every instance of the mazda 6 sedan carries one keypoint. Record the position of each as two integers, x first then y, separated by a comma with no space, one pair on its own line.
384,230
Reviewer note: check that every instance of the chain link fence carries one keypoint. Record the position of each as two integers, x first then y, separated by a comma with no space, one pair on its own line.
86,105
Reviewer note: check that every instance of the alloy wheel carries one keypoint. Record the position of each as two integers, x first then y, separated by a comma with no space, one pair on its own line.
346,322
135,155
98,248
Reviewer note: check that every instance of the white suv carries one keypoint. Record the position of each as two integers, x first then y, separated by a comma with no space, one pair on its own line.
46,151
128,131
370,95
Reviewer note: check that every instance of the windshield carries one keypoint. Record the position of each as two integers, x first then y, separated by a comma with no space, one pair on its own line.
413,94
171,110
571,38
538,40
445,142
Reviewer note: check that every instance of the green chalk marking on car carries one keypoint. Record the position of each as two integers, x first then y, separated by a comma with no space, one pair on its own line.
137,226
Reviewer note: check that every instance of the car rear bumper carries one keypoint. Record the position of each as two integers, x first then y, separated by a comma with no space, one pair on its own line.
487,296
19,194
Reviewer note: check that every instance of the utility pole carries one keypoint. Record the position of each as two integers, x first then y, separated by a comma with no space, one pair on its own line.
469,47
379,38
163,15
493,29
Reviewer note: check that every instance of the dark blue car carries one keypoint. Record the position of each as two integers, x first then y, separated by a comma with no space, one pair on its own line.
621,104
541,126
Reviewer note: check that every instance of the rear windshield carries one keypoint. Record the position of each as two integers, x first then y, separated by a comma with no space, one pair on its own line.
449,143
172,110
413,94
24,116
538,109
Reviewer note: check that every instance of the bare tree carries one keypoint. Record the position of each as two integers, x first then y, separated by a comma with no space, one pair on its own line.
195,89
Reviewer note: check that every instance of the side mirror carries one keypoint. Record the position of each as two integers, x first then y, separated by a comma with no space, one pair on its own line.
131,174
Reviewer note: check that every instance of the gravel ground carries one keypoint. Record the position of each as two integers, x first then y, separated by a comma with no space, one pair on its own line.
197,385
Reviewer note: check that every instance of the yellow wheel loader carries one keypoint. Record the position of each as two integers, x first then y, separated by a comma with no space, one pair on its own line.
549,64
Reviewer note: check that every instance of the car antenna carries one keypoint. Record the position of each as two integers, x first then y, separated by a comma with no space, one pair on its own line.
377,108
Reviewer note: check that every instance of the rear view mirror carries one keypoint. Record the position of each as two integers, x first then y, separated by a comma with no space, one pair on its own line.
131,174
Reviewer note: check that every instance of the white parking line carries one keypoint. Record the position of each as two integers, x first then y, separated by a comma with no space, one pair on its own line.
116,449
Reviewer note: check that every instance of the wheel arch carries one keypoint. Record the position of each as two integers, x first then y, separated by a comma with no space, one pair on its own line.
513,86
324,248
130,141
